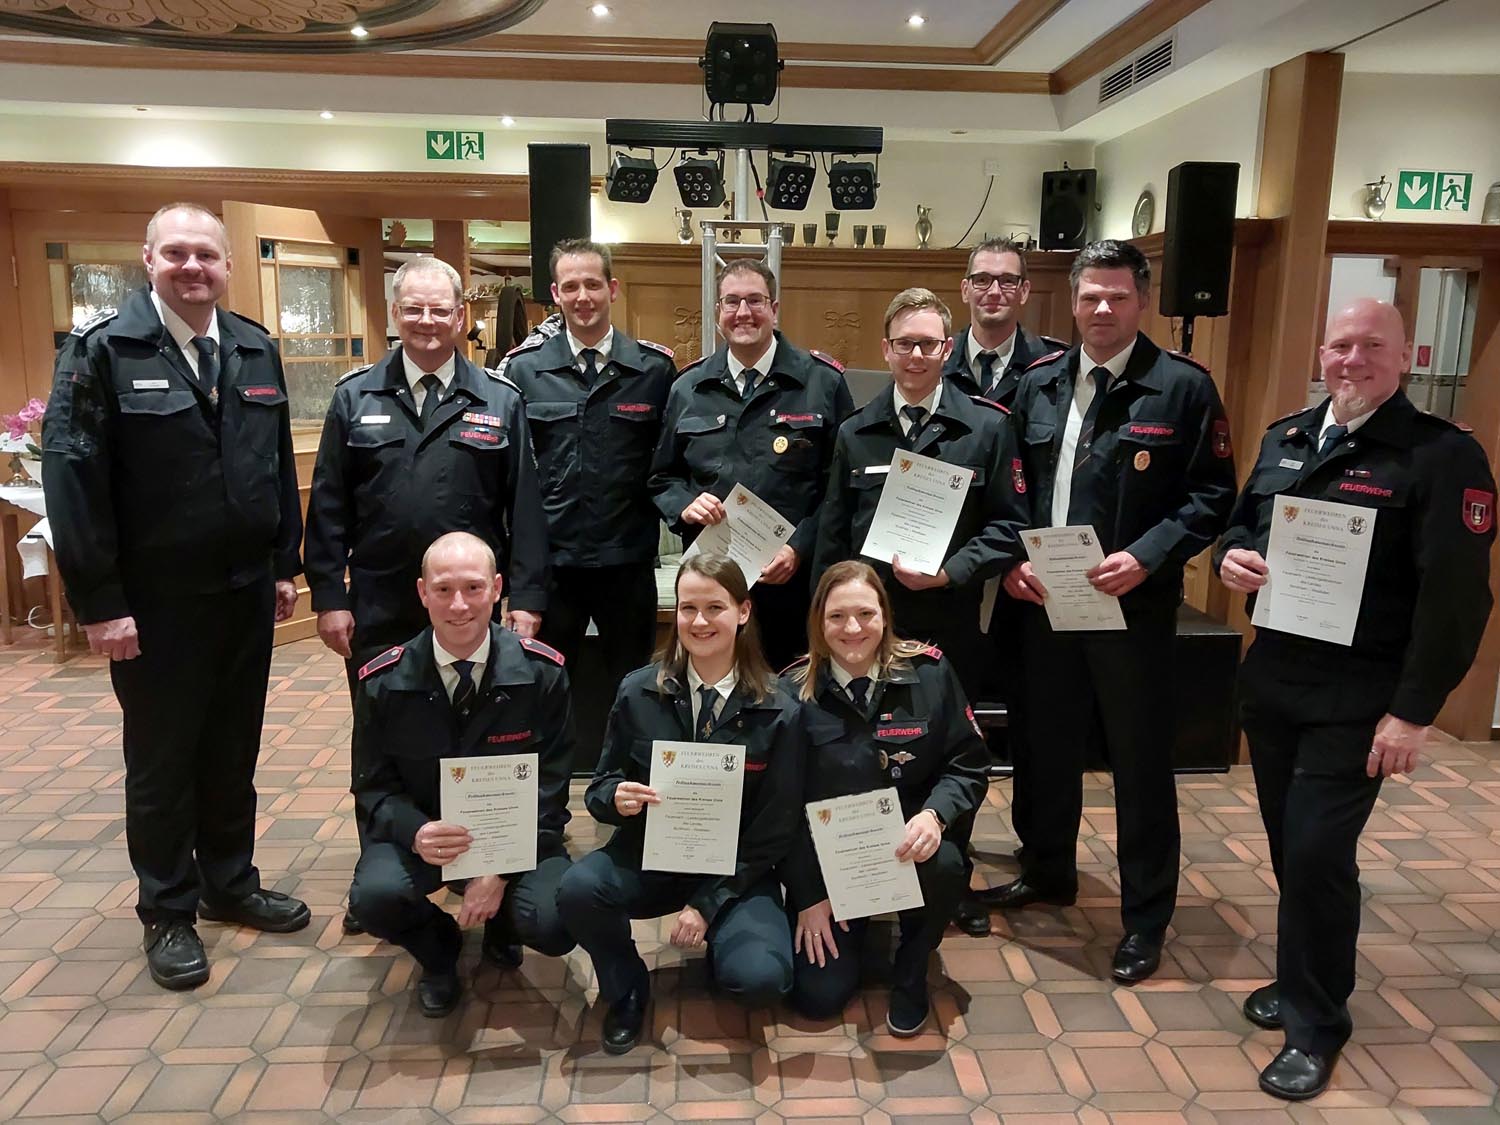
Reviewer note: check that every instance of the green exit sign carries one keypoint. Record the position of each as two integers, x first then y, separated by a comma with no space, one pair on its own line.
454,144
1422,190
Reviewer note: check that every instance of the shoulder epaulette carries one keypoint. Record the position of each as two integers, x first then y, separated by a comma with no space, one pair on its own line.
989,402
696,363
501,377
1287,417
828,359
352,373
654,346
384,660
931,651
546,652
1189,360
530,344
1054,342
247,320
1048,358
800,662
1453,423
94,321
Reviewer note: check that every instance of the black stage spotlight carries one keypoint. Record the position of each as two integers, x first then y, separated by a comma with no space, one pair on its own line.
789,183
700,179
630,179
852,185
740,64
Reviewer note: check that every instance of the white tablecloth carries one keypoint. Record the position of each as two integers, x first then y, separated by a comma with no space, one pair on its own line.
33,545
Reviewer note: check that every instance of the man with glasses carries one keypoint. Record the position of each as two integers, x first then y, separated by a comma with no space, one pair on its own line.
763,413
594,401
989,356
929,415
418,444
1131,440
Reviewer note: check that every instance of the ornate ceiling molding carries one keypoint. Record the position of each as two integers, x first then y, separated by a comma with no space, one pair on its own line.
284,27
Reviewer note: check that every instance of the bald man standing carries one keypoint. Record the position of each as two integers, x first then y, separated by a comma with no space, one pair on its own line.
1328,722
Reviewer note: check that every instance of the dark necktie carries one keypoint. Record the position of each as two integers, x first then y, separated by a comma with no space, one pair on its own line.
208,362
1331,438
751,377
986,370
859,691
1083,459
434,388
917,416
590,366
708,695
463,691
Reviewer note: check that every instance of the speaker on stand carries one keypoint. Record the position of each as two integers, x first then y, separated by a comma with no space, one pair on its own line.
558,177
1199,247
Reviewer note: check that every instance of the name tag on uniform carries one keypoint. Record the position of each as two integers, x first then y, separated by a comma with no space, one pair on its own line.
371,419
1288,463
871,470
150,384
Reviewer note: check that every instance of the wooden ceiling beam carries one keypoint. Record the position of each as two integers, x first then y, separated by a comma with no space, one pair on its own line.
1154,19
1014,26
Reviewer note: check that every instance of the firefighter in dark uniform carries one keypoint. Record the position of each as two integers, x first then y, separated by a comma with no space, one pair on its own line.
462,688
421,443
594,401
712,685
763,413
880,712
1327,722
172,490
928,415
1131,440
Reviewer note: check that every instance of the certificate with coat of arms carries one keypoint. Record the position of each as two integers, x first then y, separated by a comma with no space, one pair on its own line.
1317,557
918,510
751,534
495,799
696,828
856,839
1062,557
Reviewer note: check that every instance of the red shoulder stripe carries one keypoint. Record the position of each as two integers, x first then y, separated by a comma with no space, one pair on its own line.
536,648
654,346
384,660
990,403
1048,358
828,359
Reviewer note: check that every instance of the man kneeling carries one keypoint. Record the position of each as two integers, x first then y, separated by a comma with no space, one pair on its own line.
465,687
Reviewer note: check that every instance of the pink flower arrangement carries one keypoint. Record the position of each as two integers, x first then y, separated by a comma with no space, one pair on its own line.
18,425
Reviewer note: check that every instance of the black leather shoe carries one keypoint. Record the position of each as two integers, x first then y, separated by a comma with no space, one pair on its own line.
174,954
438,994
624,1022
270,911
907,1013
1018,893
972,916
1136,958
1263,1007
1296,1075
500,953
352,925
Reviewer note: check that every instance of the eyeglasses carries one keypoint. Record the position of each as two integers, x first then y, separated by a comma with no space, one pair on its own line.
414,312
1008,282
929,349
755,301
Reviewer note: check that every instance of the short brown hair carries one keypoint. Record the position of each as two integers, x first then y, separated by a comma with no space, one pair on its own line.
748,265
192,209
909,300
750,667
581,246
1112,254
998,246
893,652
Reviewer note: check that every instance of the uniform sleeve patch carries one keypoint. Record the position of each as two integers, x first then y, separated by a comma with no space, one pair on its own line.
384,660
1048,358
1223,447
654,346
1018,476
546,652
828,359
1479,510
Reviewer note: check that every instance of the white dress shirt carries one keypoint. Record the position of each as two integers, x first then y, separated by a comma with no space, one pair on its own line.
602,347
724,687
1083,395
1002,357
762,365
1329,420
178,329
844,678
449,674
415,374
929,404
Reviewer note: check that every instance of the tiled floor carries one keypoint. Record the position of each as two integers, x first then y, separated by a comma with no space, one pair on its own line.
319,1027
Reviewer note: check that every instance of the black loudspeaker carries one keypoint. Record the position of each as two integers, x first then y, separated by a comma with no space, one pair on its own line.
1200,239
1067,207
559,177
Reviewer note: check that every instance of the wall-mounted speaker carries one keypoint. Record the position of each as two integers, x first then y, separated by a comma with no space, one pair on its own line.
1067,208
559,182
1199,245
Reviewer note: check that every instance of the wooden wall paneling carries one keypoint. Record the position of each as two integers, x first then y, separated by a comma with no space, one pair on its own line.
15,386
450,242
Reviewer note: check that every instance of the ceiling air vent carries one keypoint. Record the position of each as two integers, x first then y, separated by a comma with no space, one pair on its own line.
1150,63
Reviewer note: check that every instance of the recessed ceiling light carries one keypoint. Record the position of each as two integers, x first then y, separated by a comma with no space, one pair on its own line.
916,19
358,31
326,115
143,109
507,121
600,10
959,132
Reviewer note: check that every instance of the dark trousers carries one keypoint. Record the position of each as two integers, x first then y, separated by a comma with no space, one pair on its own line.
1310,727
781,617
822,993
1006,684
621,600
749,941
389,895
1116,687
194,701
